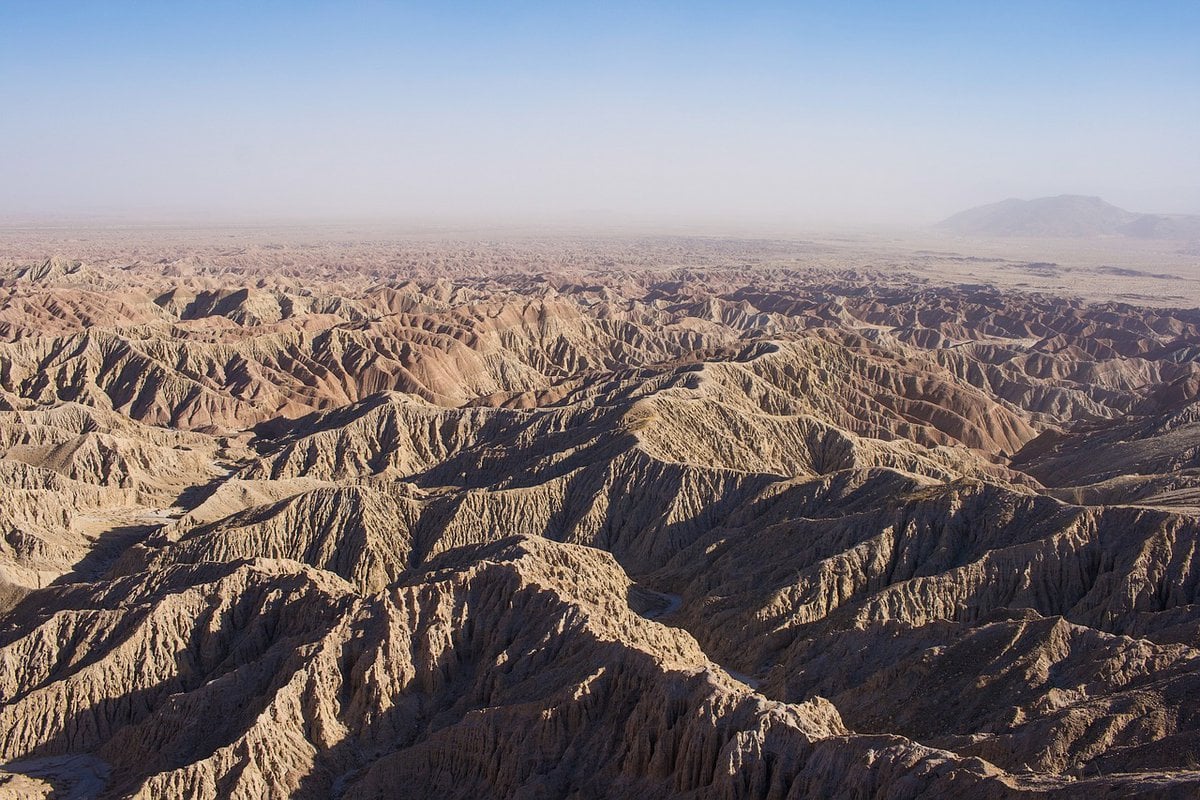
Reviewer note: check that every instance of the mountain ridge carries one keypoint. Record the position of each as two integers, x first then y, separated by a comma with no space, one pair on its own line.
1067,216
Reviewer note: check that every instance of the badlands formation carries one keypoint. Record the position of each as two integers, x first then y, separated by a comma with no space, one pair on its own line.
595,518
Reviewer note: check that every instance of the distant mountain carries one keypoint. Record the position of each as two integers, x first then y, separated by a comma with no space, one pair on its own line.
1069,215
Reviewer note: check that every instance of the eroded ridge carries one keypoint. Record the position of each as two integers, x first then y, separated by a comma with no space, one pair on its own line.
574,522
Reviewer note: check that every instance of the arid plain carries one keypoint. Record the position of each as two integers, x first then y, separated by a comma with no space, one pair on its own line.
338,512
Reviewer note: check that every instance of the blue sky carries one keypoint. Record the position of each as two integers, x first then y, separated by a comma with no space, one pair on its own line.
705,112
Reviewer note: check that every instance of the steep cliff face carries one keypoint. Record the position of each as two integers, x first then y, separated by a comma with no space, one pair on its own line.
642,532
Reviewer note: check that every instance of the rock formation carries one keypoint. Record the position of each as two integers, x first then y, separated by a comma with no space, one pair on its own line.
530,523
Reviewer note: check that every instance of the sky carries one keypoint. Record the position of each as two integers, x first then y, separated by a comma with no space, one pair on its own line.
792,113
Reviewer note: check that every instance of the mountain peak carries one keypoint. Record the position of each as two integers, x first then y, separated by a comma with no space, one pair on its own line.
1068,216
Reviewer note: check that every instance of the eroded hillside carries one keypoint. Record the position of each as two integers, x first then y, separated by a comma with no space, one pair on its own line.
572,522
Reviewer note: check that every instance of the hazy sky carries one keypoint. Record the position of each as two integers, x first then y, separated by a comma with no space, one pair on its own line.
675,112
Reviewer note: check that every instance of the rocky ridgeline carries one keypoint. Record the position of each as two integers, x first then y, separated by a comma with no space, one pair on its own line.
631,532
